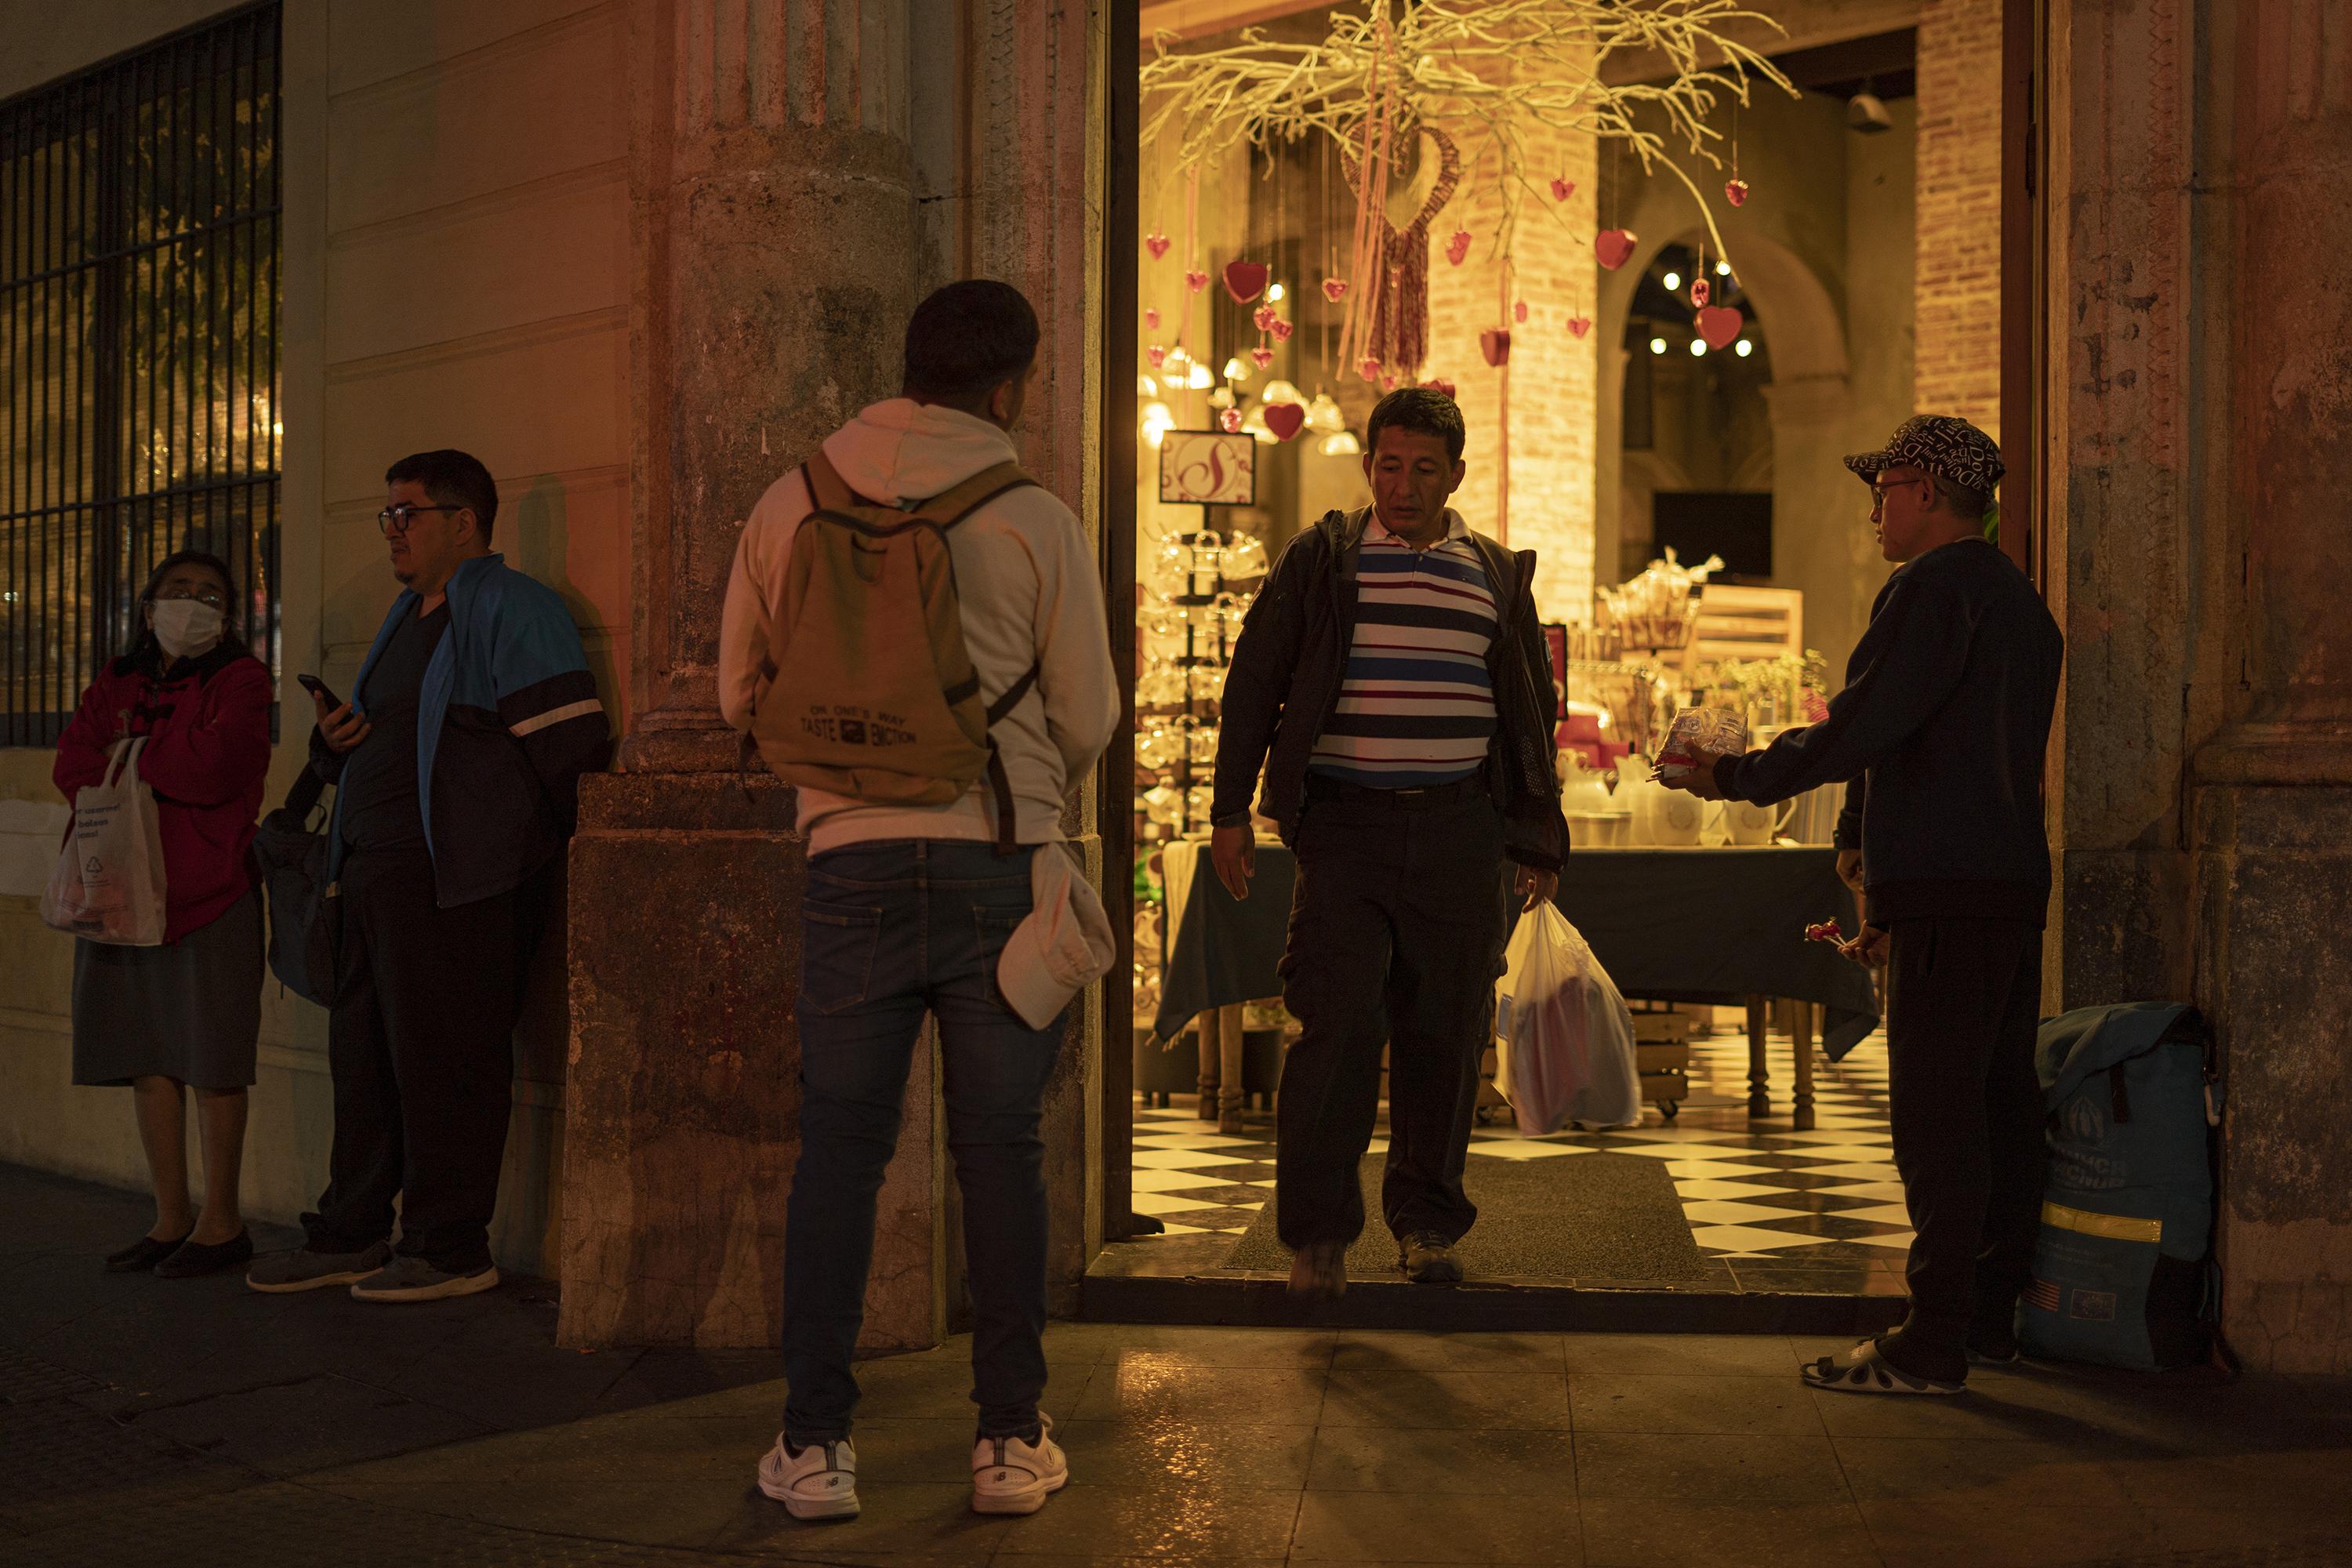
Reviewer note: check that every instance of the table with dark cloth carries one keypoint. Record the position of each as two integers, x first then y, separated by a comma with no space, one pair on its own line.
1719,926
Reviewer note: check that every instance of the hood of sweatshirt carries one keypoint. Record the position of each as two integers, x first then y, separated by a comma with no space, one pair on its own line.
901,451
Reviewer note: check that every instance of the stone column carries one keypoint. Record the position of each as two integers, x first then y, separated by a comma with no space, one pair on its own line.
775,254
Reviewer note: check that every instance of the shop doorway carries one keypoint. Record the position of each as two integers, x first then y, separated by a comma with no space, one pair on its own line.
1818,259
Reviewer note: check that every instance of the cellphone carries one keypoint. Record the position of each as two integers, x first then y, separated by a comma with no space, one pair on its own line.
317,688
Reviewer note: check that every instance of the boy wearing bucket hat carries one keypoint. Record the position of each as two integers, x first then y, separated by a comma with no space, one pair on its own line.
1939,736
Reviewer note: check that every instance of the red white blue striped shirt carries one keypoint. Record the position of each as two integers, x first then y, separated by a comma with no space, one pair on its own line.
1416,706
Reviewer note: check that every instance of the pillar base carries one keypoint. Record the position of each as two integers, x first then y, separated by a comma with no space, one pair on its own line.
683,1097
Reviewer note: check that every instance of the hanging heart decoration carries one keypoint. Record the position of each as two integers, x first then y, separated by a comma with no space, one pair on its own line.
1263,317
1263,357
1370,368
1151,319
1285,419
1335,288
1440,384
1196,282
1579,325
1230,421
1698,291
1719,325
1519,311
1736,191
1388,382
1614,246
1155,243
1282,331
1157,355
1245,280
1457,250
1494,342
1562,189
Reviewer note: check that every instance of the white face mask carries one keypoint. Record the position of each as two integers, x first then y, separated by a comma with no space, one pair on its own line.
186,627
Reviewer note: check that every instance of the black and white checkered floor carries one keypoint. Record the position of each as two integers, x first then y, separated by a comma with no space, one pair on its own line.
1748,1190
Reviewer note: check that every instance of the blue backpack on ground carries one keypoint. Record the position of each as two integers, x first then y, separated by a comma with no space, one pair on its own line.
2122,1272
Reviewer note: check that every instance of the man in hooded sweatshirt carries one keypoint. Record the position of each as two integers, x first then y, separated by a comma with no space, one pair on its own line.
909,908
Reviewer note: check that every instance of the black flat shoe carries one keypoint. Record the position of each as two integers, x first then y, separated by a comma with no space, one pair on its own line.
193,1259
142,1255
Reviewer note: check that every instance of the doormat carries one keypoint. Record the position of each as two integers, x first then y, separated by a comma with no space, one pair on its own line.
1599,1218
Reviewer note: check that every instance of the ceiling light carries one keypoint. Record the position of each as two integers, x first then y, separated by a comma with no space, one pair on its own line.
1698,348
1866,116
1657,345
1274,293
1341,444
1278,391
1723,269
1198,378
1324,414
1235,370
1146,387
1672,280
1743,348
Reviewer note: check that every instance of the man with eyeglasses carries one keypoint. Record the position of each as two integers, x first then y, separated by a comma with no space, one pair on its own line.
456,762
1941,732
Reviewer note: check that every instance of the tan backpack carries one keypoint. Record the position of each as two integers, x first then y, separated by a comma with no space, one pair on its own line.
883,706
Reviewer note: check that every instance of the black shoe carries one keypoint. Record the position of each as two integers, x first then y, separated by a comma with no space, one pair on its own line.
1429,1261
1990,1350
142,1255
194,1258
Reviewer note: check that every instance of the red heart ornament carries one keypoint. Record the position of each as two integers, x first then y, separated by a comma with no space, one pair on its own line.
1285,419
1440,384
1151,319
1719,324
1494,342
1335,288
1736,191
1230,421
1519,311
1614,246
1458,247
1282,331
1579,325
1157,355
1157,244
1245,280
1264,357
1196,282
1562,189
1698,291
1371,368
1263,317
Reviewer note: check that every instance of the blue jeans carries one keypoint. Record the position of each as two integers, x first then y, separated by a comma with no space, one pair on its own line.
890,932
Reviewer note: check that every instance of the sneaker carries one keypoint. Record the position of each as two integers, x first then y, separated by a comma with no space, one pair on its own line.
1013,1474
1429,1261
414,1280
818,1482
307,1270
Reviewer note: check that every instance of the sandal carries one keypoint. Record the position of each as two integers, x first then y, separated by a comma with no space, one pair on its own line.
1862,1370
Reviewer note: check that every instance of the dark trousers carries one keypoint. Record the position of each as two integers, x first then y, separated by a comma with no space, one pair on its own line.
1964,999
891,931
421,1043
1396,937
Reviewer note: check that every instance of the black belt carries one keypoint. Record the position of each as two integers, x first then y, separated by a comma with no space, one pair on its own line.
1319,788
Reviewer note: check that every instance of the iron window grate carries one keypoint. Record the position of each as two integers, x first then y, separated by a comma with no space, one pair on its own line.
138,321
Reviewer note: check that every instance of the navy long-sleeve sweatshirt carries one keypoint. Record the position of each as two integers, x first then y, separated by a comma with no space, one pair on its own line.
1939,737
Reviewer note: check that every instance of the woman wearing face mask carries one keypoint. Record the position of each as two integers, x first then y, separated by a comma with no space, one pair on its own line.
185,1014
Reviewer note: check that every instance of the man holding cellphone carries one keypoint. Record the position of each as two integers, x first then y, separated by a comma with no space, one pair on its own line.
1941,732
457,764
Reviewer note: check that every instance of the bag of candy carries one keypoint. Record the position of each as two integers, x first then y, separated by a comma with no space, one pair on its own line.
1701,732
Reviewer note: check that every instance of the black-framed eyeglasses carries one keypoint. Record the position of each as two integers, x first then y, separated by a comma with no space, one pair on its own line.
1878,492
213,596
394,520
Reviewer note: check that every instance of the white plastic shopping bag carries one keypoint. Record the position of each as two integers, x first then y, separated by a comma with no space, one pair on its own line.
1563,1035
109,882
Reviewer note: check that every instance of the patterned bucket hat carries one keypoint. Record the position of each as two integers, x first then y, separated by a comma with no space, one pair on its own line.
1950,449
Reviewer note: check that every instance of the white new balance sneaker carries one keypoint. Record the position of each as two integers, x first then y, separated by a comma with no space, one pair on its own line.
820,1482
1010,1476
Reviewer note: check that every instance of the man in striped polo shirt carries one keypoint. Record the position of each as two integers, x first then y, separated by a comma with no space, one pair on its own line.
1391,682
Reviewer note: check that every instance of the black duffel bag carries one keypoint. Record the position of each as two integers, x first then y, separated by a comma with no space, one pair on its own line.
303,913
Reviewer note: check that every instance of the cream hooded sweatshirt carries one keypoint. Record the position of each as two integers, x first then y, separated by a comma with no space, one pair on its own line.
1026,580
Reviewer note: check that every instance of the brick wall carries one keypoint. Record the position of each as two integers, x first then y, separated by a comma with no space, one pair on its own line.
1554,374
1959,297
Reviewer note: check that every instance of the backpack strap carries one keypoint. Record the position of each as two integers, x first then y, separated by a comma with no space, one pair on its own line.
998,783
952,505
828,491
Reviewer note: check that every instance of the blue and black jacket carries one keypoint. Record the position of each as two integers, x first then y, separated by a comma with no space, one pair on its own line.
507,721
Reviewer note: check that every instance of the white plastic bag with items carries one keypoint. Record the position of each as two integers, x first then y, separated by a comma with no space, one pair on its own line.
109,881
1563,1037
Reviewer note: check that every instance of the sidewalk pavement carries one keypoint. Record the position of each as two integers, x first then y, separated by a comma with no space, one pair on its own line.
197,1423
